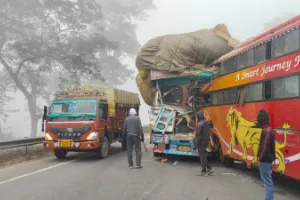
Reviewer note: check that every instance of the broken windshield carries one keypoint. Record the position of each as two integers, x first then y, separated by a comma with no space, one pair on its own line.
172,95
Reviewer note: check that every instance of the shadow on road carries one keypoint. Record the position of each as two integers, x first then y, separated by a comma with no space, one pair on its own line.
283,184
88,156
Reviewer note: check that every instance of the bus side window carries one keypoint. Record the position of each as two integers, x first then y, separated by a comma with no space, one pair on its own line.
268,90
206,98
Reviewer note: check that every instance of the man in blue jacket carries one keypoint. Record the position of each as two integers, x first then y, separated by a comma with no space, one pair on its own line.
266,153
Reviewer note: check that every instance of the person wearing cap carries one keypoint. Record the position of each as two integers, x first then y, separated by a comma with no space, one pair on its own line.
135,135
201,142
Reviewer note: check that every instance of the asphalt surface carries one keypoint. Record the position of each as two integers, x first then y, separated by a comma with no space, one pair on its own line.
82,176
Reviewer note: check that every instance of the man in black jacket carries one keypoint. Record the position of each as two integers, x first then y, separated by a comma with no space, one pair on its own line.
202,139
266,153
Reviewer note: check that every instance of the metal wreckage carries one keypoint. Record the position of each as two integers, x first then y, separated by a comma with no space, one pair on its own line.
172,71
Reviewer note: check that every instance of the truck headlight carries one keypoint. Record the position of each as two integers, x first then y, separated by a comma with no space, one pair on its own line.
48,137
92,136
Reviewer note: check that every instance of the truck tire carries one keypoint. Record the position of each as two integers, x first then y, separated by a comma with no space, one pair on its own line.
155,154
124,142
60,153
102,152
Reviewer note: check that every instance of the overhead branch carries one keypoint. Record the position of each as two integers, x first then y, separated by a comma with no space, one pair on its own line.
15,79
56,34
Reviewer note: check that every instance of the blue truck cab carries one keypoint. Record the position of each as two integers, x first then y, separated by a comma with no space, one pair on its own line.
177,98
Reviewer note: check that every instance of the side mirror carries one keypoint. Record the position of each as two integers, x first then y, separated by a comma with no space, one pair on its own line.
44,118
45,112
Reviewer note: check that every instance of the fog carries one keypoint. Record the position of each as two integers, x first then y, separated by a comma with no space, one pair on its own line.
244,19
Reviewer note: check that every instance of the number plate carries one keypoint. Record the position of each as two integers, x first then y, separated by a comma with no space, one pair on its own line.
65,143
184,148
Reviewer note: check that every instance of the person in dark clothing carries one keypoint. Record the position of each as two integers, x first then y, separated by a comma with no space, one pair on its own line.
266,153
135,135
201,142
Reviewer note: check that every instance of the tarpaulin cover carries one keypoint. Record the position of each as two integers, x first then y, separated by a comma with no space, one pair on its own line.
181,52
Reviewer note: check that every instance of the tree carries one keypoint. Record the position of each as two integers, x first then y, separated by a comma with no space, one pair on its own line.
119,20
42,38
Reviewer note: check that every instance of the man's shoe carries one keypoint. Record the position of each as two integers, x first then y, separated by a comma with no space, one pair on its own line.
139,167
130,167
209,172
201,174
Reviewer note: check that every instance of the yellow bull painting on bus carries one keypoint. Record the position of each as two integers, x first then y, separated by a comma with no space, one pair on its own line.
246,134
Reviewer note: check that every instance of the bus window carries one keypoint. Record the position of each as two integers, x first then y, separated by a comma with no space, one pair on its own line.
260,54
206,99
246,59
231,95
217,98
268,90
287,43
254,92
230,65
286,87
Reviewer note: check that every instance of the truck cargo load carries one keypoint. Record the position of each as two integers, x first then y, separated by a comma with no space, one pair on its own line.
178,53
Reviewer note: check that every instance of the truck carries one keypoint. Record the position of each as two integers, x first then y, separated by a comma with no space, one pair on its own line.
172,115
87,119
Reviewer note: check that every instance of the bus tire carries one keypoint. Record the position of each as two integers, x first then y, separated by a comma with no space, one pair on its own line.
102,152
60,153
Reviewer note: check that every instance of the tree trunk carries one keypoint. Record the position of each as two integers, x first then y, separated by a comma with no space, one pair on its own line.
33,109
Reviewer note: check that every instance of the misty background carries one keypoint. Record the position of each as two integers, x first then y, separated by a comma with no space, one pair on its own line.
50,44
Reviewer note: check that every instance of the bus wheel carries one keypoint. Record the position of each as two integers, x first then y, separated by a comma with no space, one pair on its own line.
102,152
222,157
124,142
60,153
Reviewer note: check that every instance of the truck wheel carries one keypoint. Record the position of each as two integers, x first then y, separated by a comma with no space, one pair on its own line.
157,154
102,152
60,153
124,143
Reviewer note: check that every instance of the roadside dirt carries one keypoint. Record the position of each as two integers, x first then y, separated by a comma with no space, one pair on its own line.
19,155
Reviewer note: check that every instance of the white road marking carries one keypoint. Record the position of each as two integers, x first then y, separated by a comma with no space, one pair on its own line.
36,172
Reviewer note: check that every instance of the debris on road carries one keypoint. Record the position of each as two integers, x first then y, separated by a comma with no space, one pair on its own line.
229,174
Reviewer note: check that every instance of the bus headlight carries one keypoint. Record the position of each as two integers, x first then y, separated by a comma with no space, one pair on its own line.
92,136
48,137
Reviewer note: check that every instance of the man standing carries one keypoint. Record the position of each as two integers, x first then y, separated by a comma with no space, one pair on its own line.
201,142
135,135
266,153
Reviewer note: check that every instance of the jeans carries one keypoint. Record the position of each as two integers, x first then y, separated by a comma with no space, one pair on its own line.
134,140
203,157
265,170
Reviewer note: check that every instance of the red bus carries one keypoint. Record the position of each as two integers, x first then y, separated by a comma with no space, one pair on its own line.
263,73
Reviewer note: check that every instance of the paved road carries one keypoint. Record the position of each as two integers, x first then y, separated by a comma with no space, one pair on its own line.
84,177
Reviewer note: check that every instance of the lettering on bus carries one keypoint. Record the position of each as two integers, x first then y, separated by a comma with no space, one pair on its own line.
268,68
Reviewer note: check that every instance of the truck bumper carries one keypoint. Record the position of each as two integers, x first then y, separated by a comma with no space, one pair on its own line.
173,150
75,145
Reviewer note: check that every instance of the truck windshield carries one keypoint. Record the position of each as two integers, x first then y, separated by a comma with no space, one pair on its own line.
83,109
172,95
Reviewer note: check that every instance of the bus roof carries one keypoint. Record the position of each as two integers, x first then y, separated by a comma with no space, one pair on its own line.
266,36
